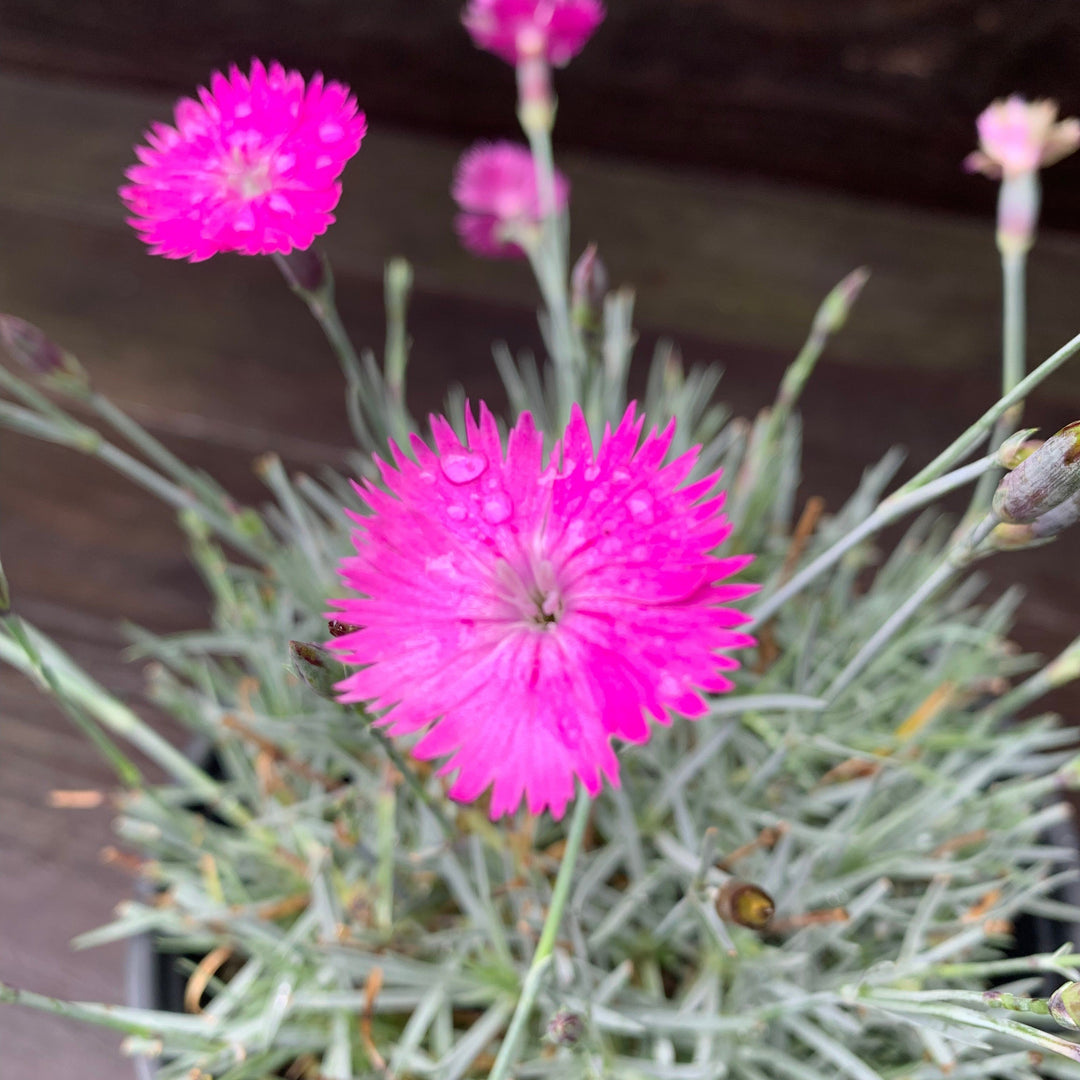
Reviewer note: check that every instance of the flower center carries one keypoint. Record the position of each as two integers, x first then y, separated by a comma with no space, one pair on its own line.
533,595
248,175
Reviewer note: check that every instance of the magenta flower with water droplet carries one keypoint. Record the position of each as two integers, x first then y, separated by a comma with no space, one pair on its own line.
251,167
524,613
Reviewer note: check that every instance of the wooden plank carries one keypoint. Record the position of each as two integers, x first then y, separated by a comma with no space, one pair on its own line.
877,99
725,259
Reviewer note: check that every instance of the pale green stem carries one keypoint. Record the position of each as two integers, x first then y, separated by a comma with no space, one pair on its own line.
1063,964
963,445
954,560
1013,363
530,988
892,509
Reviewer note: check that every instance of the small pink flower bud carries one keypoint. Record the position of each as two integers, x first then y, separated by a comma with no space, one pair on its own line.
39,354
306,269
588,287
1042,481
565,1028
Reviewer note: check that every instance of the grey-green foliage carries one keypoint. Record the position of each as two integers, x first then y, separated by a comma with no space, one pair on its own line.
363,938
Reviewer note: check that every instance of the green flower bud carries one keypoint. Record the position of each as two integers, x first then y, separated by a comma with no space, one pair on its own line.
588,287
836,307
317,667
1041,482
745,904
1065,1005
1017,448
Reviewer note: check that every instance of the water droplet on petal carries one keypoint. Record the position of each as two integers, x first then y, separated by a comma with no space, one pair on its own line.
427,477
640,505
621,475
592,472
497,508
463,466
456,513
599,494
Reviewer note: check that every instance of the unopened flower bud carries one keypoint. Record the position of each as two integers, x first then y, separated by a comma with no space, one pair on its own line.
1065,1005
745,904
565,1028
39,354
306,270
588,287
836,307
1049,477
317,667
1017,447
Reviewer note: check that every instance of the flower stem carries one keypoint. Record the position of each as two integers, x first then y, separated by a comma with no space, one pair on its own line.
1013,362
545,946
963,444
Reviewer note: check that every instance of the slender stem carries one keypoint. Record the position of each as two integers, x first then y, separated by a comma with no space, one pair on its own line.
892,509
963,444
545,946
1013,362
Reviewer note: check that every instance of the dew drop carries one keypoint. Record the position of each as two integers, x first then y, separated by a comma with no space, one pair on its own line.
592,472
463,466
621,475
427,477
497,508
640,505
599,494
456,513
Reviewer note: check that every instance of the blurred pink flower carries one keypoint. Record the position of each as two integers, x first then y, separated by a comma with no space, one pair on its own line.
495,186
511,29
1018,136
252,166
527,613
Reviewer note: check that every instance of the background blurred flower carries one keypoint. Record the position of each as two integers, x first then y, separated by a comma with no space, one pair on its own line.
252,166
557,29
530,614
495,186
1018,136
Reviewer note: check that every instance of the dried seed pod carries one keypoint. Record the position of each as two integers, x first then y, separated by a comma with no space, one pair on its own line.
1049,477
745,904
317,667
1065,1005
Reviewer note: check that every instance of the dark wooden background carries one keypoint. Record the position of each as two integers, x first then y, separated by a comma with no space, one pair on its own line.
874,97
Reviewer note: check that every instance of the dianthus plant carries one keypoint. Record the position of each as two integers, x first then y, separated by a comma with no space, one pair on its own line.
572,743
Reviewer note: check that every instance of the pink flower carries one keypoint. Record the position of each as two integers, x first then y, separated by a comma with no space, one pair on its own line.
525,616
252,166
1018,136
495,186
511,29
